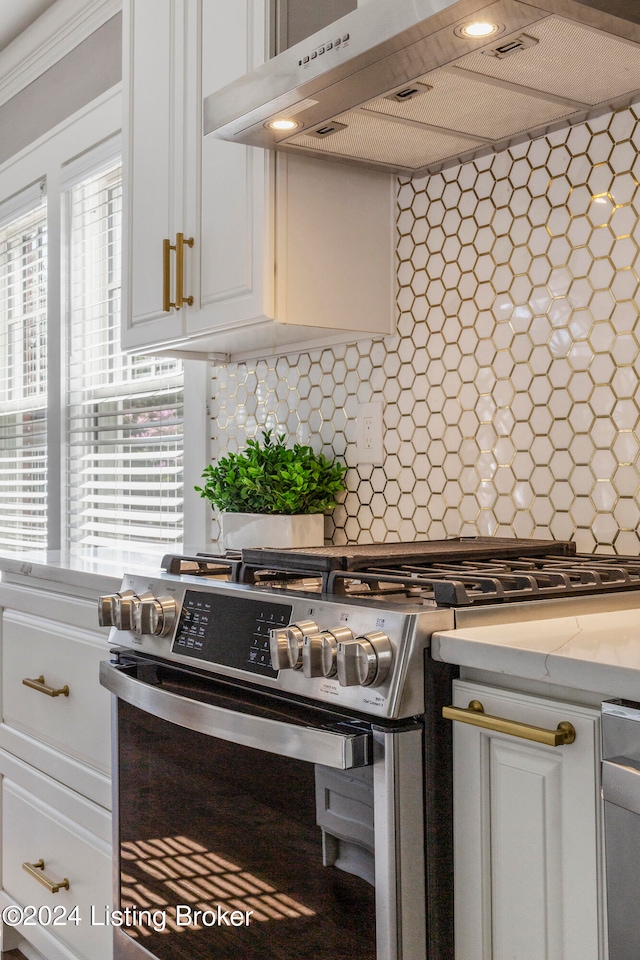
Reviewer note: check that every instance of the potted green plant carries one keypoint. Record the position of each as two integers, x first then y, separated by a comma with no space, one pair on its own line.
273,495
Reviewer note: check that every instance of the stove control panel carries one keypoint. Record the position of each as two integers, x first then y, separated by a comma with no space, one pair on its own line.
358,654
230,630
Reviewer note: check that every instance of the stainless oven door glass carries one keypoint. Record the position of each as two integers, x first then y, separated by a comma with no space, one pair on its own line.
252,828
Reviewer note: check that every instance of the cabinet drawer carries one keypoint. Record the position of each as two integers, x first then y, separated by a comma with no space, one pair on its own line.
78,725
76,609
33,831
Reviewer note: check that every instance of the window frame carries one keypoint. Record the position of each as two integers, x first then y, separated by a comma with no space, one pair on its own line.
107,389
54,158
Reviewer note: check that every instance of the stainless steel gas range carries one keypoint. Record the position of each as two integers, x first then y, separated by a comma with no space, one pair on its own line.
282,769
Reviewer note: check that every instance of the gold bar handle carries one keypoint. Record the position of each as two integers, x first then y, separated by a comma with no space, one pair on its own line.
167,247
181,243
475,715
166,275
39,685
34,870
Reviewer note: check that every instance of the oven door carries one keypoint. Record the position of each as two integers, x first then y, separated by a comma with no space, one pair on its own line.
247,826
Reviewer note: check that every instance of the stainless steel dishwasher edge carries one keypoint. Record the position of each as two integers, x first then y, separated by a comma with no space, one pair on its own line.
621,795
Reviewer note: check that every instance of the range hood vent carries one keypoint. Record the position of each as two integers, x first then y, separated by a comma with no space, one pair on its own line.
407,90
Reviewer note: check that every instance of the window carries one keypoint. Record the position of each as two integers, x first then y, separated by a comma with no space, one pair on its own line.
23,371
91,440
124,414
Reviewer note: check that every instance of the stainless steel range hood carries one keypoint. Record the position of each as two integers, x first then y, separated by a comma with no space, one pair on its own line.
397,85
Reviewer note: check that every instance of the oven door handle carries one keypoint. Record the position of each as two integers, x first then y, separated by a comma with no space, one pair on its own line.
330,747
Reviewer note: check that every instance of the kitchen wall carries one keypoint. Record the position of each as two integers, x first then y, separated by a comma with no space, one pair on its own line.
511,393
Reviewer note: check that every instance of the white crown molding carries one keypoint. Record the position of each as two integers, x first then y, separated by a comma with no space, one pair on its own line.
49,38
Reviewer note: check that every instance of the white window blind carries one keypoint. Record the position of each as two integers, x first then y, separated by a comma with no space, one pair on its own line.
23,372
125,414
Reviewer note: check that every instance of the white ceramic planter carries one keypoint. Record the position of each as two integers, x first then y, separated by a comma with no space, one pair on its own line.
240,530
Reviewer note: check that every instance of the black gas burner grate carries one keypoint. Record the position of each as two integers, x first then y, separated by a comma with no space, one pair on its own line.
445,573
210,565
232,567
494,581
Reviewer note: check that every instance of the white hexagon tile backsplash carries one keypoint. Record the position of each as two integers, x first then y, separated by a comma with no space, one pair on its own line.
511,390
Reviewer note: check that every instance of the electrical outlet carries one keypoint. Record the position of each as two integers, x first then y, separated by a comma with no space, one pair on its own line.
369,433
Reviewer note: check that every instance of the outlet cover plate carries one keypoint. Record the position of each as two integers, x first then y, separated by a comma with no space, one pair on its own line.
370,433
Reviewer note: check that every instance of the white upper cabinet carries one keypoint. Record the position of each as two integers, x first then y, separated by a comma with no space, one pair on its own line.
286,251
152,165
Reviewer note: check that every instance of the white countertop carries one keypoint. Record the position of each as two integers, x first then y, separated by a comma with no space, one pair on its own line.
98,569
598,652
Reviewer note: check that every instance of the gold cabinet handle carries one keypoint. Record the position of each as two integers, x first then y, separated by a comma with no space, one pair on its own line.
39,685
166,278
167,247
180,245
35,870
475,715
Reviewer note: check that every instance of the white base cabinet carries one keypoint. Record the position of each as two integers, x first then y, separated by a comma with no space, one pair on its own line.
66,923
68,737
55,771
527,833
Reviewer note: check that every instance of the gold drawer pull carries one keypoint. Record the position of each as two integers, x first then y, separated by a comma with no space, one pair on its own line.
475,715
167,247
34,870
39,685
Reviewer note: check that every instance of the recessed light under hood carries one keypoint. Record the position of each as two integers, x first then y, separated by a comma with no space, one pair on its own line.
409,89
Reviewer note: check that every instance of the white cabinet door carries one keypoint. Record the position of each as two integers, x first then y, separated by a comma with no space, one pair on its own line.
35,832
230,198
527,833
153,73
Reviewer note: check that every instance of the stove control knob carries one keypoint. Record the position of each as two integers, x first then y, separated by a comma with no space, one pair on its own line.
312,655
168,614
105,611
145,615
364,661
286,644
279,647
122,609
153,616
329,640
